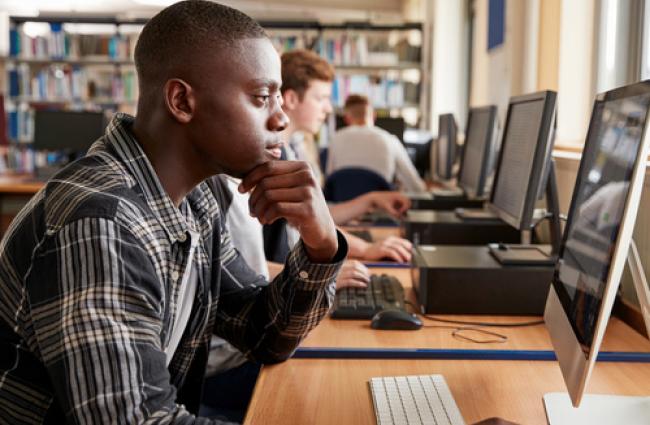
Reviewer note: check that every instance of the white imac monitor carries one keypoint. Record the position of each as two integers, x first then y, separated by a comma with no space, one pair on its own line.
479,151
595,248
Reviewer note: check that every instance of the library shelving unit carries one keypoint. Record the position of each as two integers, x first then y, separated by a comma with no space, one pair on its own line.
86,63
383,62
59,62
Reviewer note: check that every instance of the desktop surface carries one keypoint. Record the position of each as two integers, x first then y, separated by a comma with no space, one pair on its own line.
333,333
335,391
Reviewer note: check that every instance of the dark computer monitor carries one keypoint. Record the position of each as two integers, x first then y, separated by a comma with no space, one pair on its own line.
445,152
69,131
593,252
394,125
479,151
524,160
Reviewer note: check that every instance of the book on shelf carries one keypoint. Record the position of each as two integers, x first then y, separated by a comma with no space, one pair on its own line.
382,92
60,45
66,83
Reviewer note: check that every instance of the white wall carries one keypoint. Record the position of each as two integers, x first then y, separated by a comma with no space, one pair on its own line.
575,75
449,74
511,68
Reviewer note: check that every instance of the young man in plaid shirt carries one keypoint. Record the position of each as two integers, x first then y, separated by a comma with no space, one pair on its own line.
116,274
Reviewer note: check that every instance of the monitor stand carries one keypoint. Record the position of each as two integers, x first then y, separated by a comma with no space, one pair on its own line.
521,255
597,409
531,255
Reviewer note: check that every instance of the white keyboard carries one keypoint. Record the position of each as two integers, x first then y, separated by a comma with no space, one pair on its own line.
410,400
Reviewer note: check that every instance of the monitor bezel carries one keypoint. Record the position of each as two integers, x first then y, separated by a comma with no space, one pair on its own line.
479,190
542,150
451,148
576,367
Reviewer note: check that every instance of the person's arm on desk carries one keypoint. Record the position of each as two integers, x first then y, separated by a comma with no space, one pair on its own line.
392,248
394,203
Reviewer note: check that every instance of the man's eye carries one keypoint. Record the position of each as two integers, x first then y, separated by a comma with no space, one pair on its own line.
263,98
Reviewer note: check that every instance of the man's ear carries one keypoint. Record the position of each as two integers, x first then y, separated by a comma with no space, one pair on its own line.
291,100
179,99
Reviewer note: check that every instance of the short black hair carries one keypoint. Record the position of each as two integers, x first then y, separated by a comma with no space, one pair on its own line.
183,31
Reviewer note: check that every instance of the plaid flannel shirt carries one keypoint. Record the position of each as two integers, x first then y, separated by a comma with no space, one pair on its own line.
89,276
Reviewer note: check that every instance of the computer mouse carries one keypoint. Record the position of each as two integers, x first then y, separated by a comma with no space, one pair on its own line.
395,320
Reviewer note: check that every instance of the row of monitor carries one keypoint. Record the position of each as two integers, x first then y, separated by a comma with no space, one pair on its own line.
601,217
523,166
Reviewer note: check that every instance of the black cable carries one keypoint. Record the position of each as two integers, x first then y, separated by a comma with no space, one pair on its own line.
486,324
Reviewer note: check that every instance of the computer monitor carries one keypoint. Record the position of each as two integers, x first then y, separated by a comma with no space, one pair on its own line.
521,174
445,152
596,240
69,131
394,125
479,151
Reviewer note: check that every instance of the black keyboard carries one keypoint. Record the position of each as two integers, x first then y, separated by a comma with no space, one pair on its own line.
383,293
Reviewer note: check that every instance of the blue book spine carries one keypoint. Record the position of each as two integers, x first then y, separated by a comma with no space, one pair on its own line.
14,42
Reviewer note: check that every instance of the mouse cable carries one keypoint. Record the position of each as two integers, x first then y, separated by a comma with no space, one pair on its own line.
471,323
458,333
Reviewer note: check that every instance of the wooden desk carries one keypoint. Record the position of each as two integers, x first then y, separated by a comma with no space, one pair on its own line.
15,192
334,391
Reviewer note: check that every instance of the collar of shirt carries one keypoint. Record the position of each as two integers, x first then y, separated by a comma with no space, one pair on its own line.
121,139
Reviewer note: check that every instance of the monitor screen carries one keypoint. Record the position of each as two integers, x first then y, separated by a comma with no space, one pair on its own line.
477,150
598,231
599,201
394,125
70,131
446,147
525,150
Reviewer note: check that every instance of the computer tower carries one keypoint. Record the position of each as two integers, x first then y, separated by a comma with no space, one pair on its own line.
468,280
429,201
446,228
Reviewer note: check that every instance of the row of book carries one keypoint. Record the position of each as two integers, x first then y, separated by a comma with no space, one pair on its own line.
351,49
58,44
20,123
62,83
381,92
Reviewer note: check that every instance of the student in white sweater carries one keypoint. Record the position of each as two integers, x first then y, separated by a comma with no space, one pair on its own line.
363,145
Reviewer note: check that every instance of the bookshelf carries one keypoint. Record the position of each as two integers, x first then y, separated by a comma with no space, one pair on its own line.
86,63
75,63
383,62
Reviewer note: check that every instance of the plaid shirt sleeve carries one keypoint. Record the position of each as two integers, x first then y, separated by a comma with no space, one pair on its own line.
98,327
268,322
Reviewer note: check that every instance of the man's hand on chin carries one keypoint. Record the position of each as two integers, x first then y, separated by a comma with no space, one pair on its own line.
288,189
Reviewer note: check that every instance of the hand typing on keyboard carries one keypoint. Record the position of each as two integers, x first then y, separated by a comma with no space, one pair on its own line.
384,292
353,274
392,248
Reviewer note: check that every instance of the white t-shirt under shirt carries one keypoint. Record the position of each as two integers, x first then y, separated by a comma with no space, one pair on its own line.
246,234
375,149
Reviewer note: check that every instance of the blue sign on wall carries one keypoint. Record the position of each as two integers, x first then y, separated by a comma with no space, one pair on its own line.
496,23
